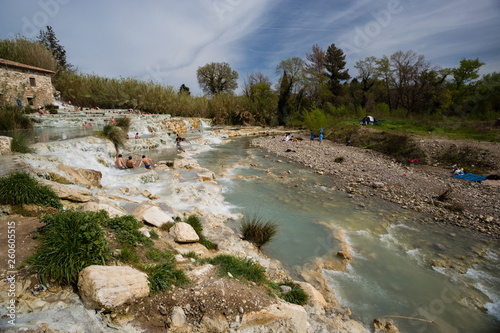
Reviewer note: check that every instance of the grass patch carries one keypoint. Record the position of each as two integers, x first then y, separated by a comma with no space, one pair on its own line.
401,147
21,188
156,255
166,226
240,268
297,295
129,255
195,222
163,275
127,231
20,142
12,118
116,135
258,231
70,241
153,235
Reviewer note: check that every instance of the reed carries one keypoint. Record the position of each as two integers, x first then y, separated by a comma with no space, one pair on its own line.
25,51
258,231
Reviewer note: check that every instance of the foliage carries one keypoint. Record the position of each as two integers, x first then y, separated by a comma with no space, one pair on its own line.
316,119
123,123
471,159
28,52
21,188
127,231
401,147
12,117
195,222
48,39
163,275
217,77
70,241
116,135
129,255
297,295
239,268
258,231
155,254
167,226
20,142
153,234
335,67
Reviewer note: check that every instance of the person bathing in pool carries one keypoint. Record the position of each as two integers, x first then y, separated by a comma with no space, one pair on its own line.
147,162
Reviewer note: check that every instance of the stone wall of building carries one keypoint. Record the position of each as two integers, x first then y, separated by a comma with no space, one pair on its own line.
30,86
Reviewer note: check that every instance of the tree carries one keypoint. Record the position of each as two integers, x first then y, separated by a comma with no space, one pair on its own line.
291,81
463,79
184,89
254,79
51,43
217,77
335,67
383,70
262,103
367,76
316,74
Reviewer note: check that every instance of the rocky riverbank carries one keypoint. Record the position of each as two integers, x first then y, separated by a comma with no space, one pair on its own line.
364,173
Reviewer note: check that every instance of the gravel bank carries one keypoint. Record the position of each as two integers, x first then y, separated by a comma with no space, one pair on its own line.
363,172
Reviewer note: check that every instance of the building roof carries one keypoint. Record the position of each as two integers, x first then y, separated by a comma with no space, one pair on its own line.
10,63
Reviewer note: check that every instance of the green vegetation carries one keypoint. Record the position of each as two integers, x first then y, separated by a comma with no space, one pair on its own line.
27,52
473,160
70,241
21,188
401,147
116,135
239,268
258,231
195,222
20,142
162,276
297,295
123,123
126,230
12,118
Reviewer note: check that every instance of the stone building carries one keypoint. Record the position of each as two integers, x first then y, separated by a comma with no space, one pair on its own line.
31,85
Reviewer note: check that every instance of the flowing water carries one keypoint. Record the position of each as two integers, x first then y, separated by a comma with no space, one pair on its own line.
390,273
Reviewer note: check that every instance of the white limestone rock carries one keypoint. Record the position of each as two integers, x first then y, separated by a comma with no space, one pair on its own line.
183,233
152,215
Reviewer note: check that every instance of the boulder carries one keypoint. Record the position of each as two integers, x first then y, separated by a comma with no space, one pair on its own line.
183,233
279,317
5,142
108,287
67,193
112,211
92,176
316,300
178,317
74,176
152,215
206,176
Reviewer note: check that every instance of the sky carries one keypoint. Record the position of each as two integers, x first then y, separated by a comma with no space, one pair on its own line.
167,41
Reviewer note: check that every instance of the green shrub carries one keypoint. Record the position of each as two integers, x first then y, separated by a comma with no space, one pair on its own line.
128,255
155,254
70,241
339,159
116,135
401,147
257,231
20,188
239,268
12,117
153,235
123,123
127,231
195,222
53,109
162,276
20,142
471,159
167,226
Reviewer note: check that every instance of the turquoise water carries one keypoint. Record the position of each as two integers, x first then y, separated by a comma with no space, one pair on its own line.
390,273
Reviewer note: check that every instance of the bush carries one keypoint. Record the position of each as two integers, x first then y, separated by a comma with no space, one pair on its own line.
154,235
123,123
297,295
239,268
469,158
116,135
195,222
401,147
12,117
162,276
127,231
129,255
20,142
155,254
70,241
20,188
53,109
257,231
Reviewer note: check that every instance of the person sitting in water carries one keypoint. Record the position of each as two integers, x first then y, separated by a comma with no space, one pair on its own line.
120,164
131,163
137,135
178,140
147,162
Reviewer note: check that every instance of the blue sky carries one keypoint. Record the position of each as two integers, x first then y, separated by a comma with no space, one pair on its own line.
166,41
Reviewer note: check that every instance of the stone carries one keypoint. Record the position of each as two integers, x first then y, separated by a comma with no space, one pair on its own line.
144,231
67,193
183,233
380,326
108,287
5,142
343,255
74,176
279,317
92,176
206,176
152,215
178,317
316,299
285,289
112,211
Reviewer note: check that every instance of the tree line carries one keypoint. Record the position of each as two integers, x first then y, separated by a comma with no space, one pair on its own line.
317,87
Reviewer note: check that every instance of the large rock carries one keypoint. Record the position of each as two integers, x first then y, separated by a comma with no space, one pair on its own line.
280,317
107,287
71,194
152,215
112,211
5,142
92,176
316,300
183,233
85,177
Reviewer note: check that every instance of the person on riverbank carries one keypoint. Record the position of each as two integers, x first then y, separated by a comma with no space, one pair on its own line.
147,162
320,138
178,140
312,135
131,164
120,164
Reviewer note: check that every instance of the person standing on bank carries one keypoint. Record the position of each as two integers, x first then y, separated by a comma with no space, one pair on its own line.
312,135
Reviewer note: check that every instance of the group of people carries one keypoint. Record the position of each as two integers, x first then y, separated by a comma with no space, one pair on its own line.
131,164
321,135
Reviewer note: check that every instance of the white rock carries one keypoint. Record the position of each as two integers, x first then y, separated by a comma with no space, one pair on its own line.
152,215
183,233
111,286
95,207
5,142
178,317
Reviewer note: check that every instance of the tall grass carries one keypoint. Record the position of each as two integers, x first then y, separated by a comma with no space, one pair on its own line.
12,117
195,222
70,241
162,276
20,142
116,135
239,268
25,51
20,188
258,231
